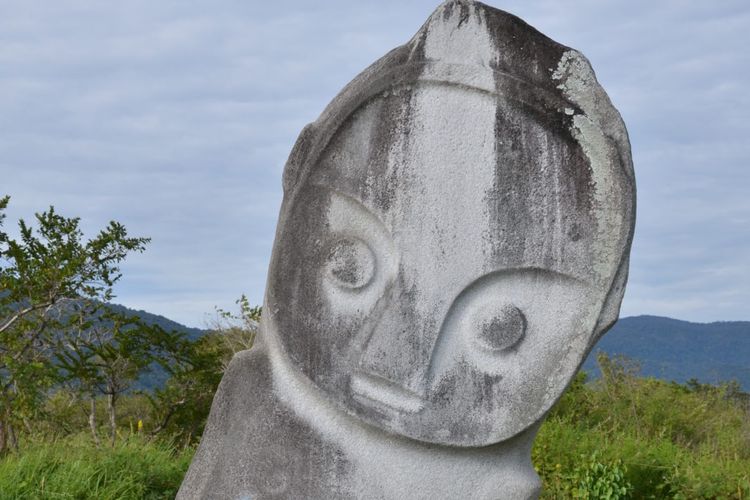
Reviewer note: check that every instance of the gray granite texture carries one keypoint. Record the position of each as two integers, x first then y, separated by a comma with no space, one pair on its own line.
453,239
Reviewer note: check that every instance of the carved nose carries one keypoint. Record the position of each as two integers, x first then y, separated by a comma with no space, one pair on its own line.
396,357
372,389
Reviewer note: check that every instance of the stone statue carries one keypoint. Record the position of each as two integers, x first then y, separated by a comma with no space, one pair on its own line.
453,240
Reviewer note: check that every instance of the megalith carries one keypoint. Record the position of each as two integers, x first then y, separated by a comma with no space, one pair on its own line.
453,239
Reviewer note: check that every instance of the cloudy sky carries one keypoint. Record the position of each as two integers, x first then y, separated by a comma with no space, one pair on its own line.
176,117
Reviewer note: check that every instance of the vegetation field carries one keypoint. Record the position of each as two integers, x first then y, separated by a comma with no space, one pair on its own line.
621,436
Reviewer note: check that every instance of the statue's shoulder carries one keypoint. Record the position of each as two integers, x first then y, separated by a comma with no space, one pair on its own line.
254,445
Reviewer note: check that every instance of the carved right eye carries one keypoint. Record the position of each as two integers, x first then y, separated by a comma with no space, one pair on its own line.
351,264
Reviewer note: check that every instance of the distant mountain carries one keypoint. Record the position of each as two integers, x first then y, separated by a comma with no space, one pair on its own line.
155,319
671,349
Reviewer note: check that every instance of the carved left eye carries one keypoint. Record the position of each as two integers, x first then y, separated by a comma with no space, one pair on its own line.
501,328
351,263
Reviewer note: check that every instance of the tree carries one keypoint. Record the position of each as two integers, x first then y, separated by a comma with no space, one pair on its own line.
181,407
105,352
3,205
41,273
235,332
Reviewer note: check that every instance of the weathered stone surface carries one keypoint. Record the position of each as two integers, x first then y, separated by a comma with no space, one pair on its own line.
453,239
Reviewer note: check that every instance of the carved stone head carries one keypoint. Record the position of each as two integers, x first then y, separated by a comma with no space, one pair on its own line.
455,232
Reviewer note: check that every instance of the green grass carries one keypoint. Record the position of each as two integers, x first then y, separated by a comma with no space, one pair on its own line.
72,468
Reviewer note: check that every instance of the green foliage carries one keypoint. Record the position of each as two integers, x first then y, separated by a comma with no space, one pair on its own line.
653,438
104,353
73,468
234,332
3,205
40,272
600,481
181,407
65,413
54,262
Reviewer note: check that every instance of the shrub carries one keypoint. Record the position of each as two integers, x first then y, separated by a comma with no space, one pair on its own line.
646,438
600,481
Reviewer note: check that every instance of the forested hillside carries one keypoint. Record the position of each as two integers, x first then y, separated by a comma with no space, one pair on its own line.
671,349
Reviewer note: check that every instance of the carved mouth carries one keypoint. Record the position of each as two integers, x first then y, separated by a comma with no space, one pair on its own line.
369,389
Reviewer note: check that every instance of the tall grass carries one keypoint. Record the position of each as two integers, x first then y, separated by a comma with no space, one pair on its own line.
72,468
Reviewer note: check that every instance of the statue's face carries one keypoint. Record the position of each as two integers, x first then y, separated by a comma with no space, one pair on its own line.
439,284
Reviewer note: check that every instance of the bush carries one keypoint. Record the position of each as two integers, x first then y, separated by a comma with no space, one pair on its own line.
644,438
600,481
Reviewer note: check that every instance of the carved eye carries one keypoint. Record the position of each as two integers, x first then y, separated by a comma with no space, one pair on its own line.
500,328
351,264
